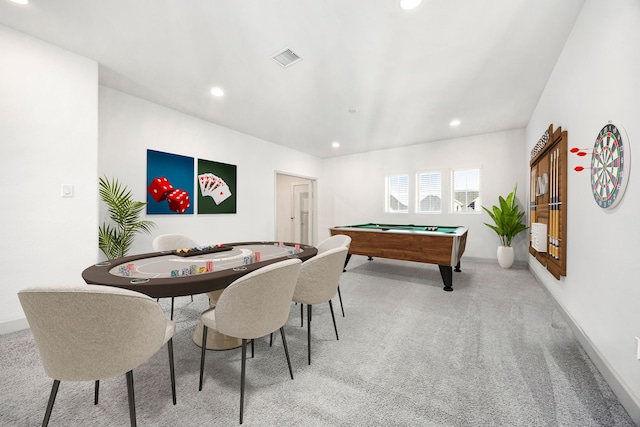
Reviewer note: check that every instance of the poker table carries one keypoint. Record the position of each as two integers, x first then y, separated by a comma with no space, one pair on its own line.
441,245
201,270
151,273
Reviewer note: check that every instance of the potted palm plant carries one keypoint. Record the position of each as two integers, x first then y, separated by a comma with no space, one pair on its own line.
115,239
508,223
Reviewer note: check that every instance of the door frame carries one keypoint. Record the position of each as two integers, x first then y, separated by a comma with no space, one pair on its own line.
282,205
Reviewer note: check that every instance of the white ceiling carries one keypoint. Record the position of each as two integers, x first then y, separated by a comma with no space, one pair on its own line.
407,73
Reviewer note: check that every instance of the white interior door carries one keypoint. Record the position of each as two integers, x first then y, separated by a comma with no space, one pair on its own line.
301,212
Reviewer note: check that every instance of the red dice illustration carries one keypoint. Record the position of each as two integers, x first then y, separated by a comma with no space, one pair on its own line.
178,200
159,188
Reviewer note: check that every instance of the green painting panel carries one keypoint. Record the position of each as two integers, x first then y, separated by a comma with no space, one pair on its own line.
217,187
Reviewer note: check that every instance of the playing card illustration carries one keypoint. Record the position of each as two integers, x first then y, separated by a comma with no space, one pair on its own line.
221,193
214,187
218,187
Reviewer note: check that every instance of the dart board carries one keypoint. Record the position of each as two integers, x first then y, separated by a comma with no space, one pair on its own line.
610,164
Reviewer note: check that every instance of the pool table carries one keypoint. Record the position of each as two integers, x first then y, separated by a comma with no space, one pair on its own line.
431,244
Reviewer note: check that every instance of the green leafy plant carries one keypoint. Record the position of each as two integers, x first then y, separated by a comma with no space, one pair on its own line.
115,240
507,218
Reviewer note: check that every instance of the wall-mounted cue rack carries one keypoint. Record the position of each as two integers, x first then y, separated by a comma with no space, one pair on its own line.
548,201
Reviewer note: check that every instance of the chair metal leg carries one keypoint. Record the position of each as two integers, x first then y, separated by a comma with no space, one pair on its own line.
242,374
271,339
204,351
340,298
334,319
172,298
52,399
286,351
95,393
309,332
172,371
302,315
132,399
252,341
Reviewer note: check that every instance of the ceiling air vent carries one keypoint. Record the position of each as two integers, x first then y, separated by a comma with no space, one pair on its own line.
286,57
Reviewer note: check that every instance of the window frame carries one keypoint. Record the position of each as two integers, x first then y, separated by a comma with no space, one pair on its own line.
389,192
418,208
477,210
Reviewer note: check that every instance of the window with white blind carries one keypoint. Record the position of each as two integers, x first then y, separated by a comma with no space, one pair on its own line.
465,185
397,193
429,189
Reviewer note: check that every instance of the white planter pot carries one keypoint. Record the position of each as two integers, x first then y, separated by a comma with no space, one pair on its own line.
506,256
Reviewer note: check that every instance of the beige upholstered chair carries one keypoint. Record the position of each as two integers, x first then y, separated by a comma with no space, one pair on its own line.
318,283
251,307
170,242
92,332
337,241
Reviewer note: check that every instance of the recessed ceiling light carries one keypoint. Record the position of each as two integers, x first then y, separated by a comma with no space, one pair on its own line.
216,91
353,110
409,4
455,122
335,144
20,1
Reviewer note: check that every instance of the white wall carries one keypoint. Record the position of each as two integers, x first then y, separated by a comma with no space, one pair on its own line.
129,126
48,137
597,79
354,186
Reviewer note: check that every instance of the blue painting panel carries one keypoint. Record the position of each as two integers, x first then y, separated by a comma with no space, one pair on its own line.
169,183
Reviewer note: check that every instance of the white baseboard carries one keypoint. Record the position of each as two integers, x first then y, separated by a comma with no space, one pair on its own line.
626,396
13,326
490,261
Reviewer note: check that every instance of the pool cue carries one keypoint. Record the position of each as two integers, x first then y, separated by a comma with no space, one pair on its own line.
532,203
552,206
555,204
553,201
558,203
550,221
551,218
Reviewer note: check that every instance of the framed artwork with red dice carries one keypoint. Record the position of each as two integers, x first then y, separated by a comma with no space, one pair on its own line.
170,184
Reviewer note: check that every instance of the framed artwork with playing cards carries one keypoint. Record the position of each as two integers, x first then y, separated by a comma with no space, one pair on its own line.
217,191
169,183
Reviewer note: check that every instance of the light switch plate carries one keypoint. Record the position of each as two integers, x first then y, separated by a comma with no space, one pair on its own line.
67,190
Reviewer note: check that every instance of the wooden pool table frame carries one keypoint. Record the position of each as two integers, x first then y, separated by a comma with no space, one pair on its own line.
433,247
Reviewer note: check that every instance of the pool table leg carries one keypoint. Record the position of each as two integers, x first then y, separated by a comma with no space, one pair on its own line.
447,277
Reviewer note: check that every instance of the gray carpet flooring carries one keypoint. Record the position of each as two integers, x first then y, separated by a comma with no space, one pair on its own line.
494,352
